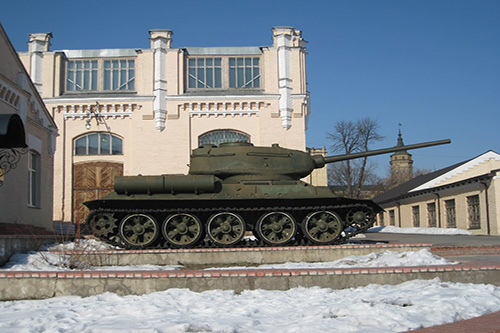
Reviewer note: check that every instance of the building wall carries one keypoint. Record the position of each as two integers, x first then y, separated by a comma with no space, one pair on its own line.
40,132
487,194
161,120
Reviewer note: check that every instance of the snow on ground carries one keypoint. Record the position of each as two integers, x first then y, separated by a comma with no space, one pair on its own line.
427,231
375,308
48,260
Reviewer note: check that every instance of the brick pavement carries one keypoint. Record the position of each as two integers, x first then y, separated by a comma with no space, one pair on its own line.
485,324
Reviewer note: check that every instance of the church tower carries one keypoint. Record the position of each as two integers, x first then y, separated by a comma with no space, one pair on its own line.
401,165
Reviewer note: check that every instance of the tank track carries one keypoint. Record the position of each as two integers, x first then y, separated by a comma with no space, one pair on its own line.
109,231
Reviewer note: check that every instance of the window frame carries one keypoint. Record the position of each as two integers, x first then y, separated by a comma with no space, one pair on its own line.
34,179
100,75
225,69
88,147
431,215
415,212
451,213
473,212
223,131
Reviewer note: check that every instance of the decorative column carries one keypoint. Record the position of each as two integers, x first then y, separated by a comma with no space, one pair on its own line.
286,38
160,42
39,43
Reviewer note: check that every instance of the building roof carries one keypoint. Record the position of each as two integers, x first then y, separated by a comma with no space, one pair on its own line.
404,188
431,181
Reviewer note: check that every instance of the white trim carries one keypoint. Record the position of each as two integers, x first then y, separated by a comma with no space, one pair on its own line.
458,170
208,97
99,98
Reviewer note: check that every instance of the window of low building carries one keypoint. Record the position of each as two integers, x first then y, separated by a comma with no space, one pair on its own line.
431,215
474,220
94,75
100,143
222,136
392,217
381,218
416,216
451,221
34,176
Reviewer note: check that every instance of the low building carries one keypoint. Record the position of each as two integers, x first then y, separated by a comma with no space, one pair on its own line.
142,111
27,146
465,195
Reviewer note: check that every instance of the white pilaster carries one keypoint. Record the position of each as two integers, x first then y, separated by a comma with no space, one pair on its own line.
160,42
38,44
283,43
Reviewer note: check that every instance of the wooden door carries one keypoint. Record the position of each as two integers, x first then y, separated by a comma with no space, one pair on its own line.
92,181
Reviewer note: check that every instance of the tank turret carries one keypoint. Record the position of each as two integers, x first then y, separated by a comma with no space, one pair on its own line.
244,161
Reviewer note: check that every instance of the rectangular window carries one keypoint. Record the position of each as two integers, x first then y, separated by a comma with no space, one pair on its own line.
451,221
205,73
81,75
100,75
392,218
33,179
431,215
474,221
119,75
381,219
244,72
416,216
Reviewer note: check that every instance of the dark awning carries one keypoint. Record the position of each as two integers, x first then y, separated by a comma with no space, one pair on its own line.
12,134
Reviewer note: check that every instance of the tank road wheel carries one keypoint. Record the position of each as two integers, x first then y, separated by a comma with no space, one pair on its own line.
103,225
139,230
360,218
322,228
182,230
276,228
226,229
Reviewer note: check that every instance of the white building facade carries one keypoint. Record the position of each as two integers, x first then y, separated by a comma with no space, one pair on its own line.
142,111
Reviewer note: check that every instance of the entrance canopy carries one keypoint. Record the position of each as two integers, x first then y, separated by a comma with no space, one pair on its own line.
12,134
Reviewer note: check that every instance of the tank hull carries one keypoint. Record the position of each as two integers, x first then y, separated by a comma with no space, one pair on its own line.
292,213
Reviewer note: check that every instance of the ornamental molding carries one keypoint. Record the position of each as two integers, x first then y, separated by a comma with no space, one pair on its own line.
8,95
110,110
223,109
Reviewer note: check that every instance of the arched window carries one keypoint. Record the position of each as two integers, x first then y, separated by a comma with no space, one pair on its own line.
222,136
100,143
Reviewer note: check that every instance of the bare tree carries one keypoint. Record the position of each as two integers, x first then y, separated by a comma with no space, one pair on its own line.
350,137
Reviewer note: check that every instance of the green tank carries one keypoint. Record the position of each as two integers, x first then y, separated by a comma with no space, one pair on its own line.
231,191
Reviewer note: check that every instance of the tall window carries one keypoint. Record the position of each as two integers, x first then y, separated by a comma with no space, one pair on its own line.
474,221
33,179
244,72
223,73
392,218
451,220
100,75
222,136
98,144
431,215
381,218
416,216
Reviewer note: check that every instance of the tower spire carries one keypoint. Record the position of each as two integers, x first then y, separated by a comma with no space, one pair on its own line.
401,163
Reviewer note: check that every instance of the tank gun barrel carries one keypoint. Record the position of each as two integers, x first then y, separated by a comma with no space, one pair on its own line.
320,162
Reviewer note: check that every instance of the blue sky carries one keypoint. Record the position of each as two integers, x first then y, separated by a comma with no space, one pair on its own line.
433,66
